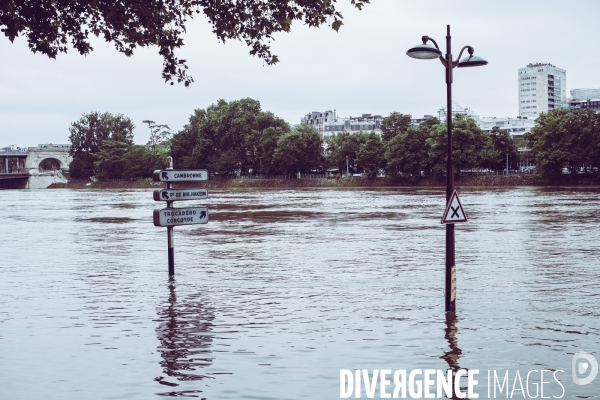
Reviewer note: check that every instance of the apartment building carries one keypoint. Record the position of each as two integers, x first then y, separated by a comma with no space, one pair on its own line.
585,94
318,119
585,98
328,124
542,88
456,109
516,127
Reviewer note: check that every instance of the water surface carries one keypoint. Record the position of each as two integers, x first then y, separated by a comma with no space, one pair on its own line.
283,288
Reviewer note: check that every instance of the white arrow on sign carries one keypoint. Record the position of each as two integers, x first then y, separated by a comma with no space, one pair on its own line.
180,216
180,194
454,211
181,175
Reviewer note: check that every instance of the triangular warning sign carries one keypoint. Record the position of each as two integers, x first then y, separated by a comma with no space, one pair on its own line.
454,211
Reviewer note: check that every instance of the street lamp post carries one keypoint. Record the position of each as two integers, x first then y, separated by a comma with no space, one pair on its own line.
426,51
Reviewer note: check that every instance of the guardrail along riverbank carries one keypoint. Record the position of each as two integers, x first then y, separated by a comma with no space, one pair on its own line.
482,180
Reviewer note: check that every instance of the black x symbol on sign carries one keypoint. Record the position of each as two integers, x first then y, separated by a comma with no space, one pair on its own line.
455,212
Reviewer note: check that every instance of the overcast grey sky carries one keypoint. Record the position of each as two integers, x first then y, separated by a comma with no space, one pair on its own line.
361,69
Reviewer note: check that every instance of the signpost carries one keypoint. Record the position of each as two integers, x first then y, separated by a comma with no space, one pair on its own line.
180,216
454,214
180,194
170,216
181,175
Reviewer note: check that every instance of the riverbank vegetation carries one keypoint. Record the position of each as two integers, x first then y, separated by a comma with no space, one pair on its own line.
102,147
238,138
490,181
566,141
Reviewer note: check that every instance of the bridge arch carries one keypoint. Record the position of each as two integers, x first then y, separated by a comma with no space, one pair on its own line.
47,158
51,163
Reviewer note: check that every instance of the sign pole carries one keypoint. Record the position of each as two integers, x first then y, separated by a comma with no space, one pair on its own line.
171,251
450,284
170,216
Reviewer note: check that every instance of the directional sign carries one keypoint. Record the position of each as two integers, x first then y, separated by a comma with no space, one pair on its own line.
454,212
181,216
180,194
180,175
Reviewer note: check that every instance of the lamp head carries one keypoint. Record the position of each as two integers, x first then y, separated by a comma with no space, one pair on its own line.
471,60
424,51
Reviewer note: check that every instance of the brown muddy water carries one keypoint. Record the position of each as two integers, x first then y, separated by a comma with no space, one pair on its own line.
284,288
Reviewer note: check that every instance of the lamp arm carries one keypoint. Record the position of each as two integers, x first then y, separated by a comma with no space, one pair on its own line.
469,48
425,39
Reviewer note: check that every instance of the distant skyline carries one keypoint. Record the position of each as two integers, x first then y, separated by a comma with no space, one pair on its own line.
361,69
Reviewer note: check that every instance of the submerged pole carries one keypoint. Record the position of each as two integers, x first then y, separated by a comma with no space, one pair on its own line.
450,285
171,252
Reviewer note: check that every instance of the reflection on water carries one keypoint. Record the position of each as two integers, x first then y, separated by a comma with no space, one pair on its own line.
184,332
453,354
284,288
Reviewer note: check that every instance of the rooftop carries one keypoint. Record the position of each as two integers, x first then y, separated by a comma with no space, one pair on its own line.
540,65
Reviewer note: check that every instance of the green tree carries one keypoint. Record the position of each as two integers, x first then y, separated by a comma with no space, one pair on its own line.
87,135
407,153
266,150
503,146
112,159
370,155
227,137
50,25
341,150
160,135
300,150
140,163
471,147
394,124
262,142
185,142
565,139
82,166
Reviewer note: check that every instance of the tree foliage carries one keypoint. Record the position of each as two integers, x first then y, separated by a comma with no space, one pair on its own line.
50,26
394,124
471,147
370,155
565,139
229,137
238,137
160,135
112,159
341,150
407,153
300,150
89,133
504,146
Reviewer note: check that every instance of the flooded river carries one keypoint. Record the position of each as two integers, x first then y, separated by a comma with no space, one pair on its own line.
284,288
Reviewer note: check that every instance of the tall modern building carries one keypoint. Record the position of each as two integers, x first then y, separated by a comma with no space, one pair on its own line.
542,88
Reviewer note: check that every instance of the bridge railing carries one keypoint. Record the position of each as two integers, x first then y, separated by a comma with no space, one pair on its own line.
12,171
17,151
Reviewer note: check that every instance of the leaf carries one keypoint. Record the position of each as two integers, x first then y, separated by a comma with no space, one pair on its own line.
336,25
128,24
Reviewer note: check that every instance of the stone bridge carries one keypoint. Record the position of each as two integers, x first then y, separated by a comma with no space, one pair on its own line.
34,167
